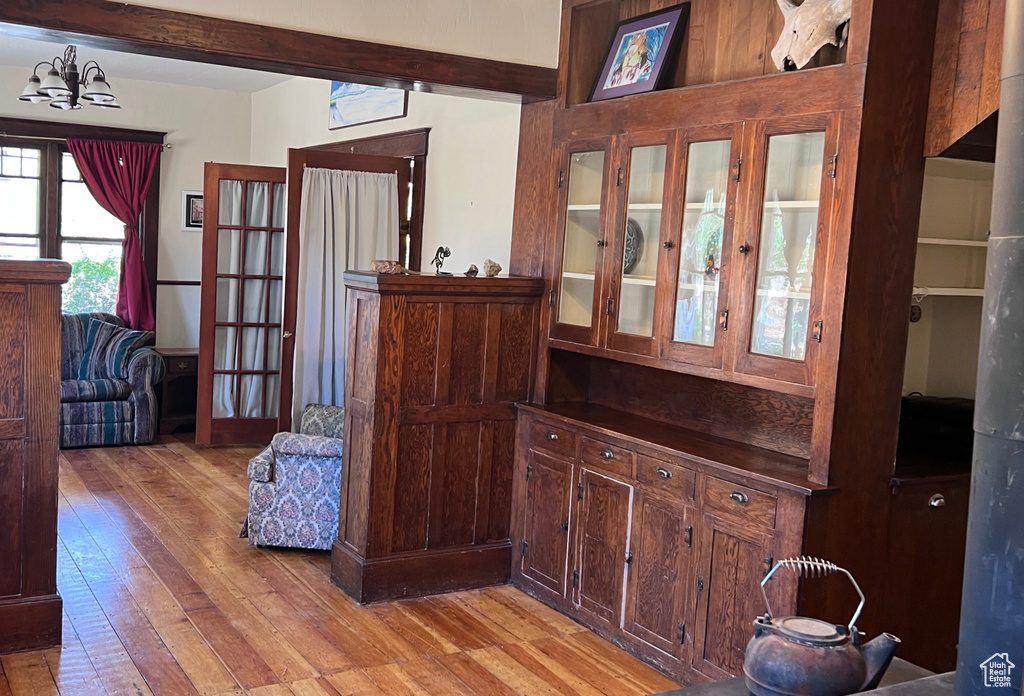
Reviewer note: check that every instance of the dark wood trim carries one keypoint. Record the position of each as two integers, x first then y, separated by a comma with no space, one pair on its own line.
181,36
31,128
410,143
179,282
419,197
31,623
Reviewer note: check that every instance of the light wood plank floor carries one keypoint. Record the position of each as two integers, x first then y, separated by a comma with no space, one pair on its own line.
162,597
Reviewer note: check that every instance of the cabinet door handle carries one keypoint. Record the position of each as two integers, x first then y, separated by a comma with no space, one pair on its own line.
606,453
668,245
610,306
182,365
552,435
688,535
744,249
601,243
287,334
937,500
664,473
700,584
565,526
739,497
723,320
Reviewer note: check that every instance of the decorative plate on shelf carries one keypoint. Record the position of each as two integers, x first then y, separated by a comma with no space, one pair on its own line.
634,247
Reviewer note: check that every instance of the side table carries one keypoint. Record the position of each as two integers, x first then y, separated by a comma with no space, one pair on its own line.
177,392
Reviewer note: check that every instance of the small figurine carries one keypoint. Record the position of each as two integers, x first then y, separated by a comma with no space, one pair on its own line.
387,267
439,257
491,268
472,270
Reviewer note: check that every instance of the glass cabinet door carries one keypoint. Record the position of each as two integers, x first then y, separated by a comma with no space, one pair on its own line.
581,244
700,249
640,237
785,258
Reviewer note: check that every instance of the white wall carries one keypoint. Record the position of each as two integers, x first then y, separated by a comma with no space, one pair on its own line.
471,161
518,31
201,125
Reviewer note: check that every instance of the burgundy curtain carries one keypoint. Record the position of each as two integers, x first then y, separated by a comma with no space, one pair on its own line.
118,175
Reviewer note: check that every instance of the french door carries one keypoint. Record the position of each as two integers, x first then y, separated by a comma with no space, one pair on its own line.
241,310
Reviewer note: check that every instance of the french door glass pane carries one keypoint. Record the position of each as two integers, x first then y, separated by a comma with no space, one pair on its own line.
230,203
582,232
224,396
95,271
228,250
700,253
640,245
785,261
279,206
227,300
251,396
257,205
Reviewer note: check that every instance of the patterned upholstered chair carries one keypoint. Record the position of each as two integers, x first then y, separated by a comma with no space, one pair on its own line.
107,379
295,483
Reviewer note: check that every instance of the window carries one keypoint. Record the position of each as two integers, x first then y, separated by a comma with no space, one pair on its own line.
49,213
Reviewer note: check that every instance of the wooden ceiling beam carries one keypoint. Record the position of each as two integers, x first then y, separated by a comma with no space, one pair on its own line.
167,34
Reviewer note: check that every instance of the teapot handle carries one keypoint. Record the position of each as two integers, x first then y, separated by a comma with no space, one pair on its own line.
813,568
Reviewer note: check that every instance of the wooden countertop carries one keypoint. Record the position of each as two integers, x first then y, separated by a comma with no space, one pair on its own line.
760,464
413,283
35,271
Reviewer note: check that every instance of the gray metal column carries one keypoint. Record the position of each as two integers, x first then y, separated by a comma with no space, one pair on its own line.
992,613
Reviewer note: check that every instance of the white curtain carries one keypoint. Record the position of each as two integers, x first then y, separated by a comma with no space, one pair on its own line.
347,219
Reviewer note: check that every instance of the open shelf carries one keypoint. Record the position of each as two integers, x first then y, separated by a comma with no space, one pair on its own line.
645,206
639,280
941,241
584,206
920,291
578,276
803,205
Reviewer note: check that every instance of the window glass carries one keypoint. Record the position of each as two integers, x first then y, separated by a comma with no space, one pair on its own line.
20,202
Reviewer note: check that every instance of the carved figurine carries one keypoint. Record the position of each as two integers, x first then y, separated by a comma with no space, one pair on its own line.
491,268
809,26
472,270
442,253
387,267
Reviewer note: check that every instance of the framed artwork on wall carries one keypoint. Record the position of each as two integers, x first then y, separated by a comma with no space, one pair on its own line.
191,210
353,104
640,50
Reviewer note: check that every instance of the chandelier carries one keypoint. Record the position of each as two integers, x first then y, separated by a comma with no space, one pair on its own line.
63,85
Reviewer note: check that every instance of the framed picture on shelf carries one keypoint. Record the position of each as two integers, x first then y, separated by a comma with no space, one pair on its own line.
191,210
353,104
640,50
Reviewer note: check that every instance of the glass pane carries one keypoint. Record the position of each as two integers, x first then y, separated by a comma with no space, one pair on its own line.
223,396
582,222
251,396
19,201
82,217
257,205
95,270
276,253
225,347
785,261
19,247
230,204
253,340
700,253
254,301
256,252
272,396
68,168
276,302
30,162
227,299
640,250
274,350
279,206
228,250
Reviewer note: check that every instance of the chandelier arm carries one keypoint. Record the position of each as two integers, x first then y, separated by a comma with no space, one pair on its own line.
35,70
91,65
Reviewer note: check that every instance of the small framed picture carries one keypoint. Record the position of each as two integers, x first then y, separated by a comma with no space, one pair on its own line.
639,51
191,210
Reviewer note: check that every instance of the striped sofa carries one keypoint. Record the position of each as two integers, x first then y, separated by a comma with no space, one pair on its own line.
107,379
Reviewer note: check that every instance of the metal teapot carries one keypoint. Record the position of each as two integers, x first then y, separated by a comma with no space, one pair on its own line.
801,656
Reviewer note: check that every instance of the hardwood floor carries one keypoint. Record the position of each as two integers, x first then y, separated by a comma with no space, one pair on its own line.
162,597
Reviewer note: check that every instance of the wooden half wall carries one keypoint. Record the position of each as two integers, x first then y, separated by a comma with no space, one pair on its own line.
965,72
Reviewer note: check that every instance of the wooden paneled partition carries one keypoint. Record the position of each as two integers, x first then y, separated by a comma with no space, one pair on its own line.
30,608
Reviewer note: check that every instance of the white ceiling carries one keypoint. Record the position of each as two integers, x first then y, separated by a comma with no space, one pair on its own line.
25,53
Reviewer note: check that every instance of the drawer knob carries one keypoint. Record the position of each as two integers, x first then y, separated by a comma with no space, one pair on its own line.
937,500
664,473
182,365
739,497
552,435
606,453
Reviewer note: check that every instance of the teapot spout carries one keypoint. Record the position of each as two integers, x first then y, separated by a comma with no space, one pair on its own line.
878,654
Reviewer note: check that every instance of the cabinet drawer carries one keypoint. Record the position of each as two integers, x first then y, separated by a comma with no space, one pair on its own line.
662,477
552,439
601,455
739,502
181,364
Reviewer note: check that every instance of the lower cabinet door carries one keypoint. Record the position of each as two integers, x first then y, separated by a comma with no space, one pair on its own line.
661,573
604,517
733,561
546,532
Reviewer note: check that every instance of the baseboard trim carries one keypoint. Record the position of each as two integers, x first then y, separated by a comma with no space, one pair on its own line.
30,623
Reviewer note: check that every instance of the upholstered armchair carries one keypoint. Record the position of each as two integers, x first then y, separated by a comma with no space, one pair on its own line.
295,483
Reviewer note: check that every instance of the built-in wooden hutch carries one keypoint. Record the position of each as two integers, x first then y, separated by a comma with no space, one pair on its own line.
729,270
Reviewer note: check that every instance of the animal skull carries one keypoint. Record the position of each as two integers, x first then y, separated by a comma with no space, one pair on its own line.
809,26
